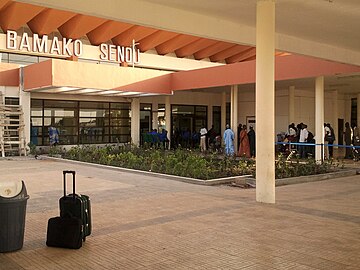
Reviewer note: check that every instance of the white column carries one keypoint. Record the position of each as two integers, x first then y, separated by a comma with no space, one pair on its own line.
168,118
319,117
154,109
135,121
291,104
25,102
235,112
265,101
358,110
335,114
223,113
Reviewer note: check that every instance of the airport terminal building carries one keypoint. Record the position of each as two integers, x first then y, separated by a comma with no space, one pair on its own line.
102,79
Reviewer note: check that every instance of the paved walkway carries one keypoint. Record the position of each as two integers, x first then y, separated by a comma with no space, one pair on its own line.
141,222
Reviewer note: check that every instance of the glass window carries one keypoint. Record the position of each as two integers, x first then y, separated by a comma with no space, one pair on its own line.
227,113
120,113
200,111
217,118
67,130
120,106
67,139
354,104
120,122
59,112
36,121
94,105
36,112
182,109
4,57
11,101
120,130
23,59
80,122
36,103
145,107
93,113
60,104
91,121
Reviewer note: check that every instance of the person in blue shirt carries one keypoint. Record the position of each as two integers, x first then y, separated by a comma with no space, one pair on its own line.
229,141
53,136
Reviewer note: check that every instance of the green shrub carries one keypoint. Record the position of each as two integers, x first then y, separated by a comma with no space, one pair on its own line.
187,163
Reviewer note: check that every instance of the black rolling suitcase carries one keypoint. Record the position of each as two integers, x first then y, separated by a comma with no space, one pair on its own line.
77,206
65,232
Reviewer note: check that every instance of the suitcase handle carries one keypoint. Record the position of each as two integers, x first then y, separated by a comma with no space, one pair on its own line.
73,174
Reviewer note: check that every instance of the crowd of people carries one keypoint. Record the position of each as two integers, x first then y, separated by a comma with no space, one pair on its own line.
156,139
246,141
303,140
299,134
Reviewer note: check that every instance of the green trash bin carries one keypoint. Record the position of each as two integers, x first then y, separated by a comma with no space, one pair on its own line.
13,199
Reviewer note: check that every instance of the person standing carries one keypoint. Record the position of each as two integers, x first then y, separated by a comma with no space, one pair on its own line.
347,138
244,149
211,135
229,141
330,138
239,129
203,133
53,136
303,139
251,135
355,134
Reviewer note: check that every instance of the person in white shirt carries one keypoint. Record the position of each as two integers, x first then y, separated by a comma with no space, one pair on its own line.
203,132
303,139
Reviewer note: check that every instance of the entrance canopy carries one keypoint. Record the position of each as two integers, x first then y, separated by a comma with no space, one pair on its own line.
68,77
9,74
286,68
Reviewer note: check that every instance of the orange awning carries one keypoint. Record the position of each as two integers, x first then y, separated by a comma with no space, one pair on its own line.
9,74
55,76
286,68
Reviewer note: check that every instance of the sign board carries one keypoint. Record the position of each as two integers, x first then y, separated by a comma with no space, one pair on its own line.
69,47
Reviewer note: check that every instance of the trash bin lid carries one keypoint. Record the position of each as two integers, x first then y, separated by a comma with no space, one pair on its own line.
10,189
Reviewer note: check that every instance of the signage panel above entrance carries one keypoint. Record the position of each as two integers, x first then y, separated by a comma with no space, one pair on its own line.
69,47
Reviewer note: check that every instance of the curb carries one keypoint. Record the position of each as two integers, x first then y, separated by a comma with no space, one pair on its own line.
308,178
213,182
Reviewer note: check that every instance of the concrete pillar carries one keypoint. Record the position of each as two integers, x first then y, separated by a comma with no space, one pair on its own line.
265,101
234,112
209,116
319,117
358,110
135,121
154,109
168,118
335,114
25,102
223,113
291,104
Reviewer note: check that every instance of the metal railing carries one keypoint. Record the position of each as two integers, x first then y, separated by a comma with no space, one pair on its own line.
355,148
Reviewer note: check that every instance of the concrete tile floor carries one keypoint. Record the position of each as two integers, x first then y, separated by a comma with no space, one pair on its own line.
142,222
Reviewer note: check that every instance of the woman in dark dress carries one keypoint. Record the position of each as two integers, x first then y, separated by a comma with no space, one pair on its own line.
251,135
347,138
